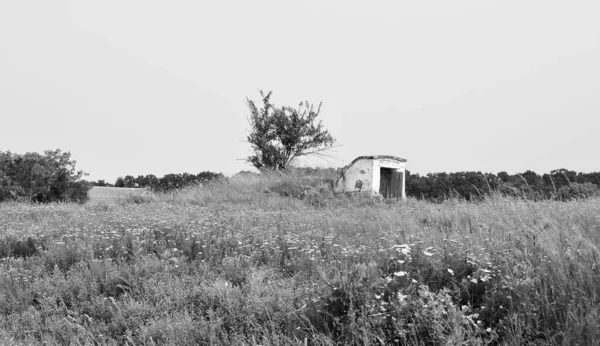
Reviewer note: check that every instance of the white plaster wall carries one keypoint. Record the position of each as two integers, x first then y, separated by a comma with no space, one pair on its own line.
361,169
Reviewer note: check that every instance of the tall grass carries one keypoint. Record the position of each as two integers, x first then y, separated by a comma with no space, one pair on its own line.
255,188
278,260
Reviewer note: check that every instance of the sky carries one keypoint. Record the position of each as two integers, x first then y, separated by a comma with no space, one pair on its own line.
156,87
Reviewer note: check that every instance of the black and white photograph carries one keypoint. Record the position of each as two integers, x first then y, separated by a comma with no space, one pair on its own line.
305,173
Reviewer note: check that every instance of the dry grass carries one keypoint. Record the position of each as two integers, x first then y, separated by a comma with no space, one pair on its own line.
230,264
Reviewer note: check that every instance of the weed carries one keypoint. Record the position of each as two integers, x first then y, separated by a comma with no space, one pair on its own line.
228,263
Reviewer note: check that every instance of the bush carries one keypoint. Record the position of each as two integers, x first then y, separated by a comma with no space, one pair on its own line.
11,247
50,177
577,191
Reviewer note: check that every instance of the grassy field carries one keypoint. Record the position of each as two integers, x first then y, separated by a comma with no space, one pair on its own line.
235,263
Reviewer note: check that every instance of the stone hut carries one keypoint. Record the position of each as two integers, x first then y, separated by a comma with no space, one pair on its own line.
380,175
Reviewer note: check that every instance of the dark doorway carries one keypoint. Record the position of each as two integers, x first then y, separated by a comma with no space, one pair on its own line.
391,183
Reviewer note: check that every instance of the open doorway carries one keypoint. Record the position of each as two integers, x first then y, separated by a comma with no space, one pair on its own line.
391,183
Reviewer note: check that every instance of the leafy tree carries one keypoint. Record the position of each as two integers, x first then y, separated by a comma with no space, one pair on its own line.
207,176
563,177
532,179
469,185
100,182
150,181
492,181
171,181
593,177
167,182
120,182
503,177
279,136
129,181
577,190
38,177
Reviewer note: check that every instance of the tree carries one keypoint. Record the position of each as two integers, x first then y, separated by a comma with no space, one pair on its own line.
100,182
151,181
563,177
279,136
41,178
129,181
206,176
120,182
577,191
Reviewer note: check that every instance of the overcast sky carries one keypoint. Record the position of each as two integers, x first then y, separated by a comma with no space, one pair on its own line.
139,87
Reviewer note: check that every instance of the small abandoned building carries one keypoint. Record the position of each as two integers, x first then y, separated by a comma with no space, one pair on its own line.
381,175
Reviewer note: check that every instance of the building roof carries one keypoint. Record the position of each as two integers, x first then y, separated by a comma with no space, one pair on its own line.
377,157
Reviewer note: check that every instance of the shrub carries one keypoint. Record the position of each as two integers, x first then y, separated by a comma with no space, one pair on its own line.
577,191
50,177
11,247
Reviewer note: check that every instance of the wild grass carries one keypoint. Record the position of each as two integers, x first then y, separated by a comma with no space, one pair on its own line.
278,261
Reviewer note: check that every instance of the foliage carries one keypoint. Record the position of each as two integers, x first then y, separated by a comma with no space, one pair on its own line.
279,136
166,183
559,184
101,182
47,177
577,190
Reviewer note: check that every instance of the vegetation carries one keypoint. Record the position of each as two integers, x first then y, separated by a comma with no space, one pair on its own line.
34,177
560,184
279,136
237,262
166,183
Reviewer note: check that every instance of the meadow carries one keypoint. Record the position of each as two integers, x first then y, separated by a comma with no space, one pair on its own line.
265,261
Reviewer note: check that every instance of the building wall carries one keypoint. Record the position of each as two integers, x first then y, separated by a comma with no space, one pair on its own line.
361,170
368,171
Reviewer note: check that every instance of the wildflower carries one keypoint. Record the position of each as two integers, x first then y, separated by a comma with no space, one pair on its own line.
450,271
404,248
400,273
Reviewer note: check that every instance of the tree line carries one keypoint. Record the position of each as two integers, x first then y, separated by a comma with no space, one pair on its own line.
562,184
166,183
278,136
53,177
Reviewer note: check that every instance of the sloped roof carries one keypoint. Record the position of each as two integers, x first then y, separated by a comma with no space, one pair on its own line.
105,192
377,157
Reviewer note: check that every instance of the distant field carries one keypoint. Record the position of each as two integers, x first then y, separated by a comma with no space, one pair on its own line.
231,264
103,193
